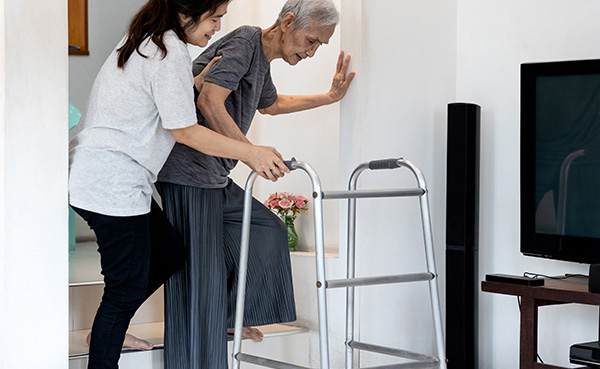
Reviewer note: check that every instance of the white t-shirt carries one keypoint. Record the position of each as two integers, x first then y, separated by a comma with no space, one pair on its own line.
124,136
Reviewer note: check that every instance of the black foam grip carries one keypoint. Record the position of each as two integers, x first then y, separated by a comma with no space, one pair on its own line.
288,163
384,164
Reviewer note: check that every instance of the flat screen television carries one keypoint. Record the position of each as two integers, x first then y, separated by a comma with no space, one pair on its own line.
560,160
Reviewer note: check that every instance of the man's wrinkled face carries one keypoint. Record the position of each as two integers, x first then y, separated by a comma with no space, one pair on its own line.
304,42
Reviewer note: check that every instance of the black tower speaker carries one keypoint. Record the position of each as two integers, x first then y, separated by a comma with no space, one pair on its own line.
462,232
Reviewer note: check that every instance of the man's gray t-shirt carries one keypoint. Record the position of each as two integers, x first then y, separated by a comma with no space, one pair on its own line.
245,71
125,133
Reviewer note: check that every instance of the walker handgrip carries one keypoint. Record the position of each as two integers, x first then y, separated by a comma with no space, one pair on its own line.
384,164
288,163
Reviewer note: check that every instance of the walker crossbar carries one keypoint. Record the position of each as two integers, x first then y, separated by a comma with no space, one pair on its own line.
372,281
371,194
267,362
409,365
392,351
421,361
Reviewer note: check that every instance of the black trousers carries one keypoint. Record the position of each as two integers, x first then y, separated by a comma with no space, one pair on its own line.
137,255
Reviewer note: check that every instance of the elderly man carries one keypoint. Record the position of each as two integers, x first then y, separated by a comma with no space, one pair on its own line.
206,206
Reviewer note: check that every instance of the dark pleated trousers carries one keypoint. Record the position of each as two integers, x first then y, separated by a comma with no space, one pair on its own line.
200,298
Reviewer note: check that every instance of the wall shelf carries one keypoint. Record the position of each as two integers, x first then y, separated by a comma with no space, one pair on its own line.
328,254
84,265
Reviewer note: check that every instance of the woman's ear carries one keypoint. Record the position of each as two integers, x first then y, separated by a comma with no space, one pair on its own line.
287,21
183,19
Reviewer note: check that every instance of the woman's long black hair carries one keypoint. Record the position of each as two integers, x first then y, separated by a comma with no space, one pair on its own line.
157,17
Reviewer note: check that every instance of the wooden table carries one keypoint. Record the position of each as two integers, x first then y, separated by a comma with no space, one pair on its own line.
554,292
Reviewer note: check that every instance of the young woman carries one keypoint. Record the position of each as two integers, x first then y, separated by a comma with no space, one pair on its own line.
141,103
206,206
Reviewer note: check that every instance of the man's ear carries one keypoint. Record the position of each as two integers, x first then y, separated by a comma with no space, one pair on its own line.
287,21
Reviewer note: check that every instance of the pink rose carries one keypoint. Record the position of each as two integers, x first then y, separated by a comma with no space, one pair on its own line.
285,203
274,203
272,197
283,194
300,203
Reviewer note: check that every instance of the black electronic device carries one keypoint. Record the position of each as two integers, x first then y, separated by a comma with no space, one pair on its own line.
585,353
560,160
514,279
594,278
462,234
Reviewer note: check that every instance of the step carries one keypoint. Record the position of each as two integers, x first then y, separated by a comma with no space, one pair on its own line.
154,333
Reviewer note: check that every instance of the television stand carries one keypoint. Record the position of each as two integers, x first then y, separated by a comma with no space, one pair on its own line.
554,292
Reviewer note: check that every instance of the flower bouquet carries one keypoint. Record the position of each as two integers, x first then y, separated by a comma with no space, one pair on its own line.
287,206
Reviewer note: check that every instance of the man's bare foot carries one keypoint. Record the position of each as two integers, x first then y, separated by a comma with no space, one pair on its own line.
131,342
249,332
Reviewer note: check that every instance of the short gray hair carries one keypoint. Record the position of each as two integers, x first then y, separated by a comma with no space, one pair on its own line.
321,11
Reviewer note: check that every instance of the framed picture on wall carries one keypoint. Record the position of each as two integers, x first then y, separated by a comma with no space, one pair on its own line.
78,27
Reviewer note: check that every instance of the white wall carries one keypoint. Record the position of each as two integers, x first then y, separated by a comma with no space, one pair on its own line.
494,38
3,275
33,184
406,77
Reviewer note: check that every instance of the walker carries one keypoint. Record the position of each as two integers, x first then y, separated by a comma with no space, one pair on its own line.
417,360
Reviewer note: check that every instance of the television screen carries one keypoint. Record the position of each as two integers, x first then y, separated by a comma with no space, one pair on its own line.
560,160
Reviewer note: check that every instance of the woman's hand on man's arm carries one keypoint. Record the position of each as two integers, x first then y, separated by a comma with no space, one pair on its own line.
199,79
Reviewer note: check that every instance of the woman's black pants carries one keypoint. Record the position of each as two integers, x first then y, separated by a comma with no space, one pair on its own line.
137,254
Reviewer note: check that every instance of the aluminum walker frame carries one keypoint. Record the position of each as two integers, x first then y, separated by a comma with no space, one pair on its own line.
418,360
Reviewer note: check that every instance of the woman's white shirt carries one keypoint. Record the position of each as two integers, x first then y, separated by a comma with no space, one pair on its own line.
124,138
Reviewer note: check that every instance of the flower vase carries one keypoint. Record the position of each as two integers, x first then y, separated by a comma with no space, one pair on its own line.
292,235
